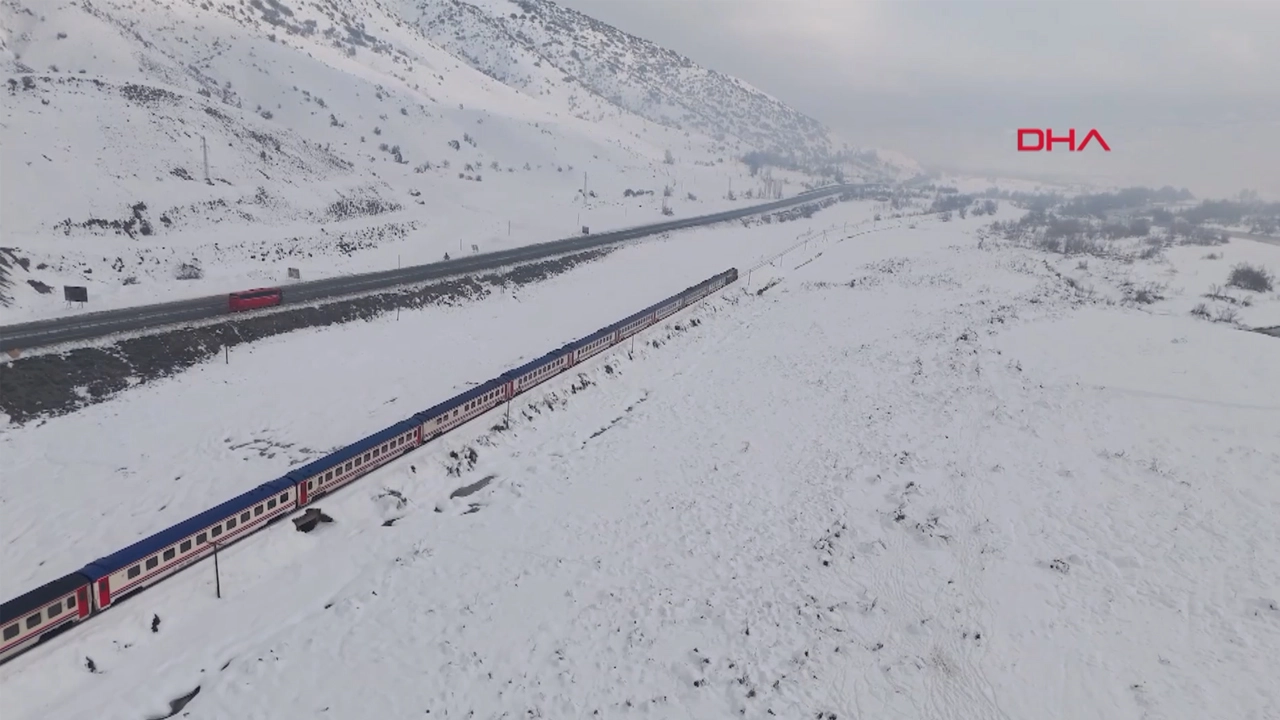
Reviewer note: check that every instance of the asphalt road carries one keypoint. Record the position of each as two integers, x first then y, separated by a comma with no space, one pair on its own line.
40,333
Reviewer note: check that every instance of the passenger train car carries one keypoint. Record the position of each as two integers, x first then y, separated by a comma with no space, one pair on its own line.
57,606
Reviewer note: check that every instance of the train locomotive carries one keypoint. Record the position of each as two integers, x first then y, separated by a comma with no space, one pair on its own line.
61,604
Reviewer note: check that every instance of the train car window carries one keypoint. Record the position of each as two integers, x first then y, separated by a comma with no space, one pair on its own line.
54,610
11,632
359,462
257,511
348,466
328,475
71,603
202,538
216,530
185,546
367,456
170,554
33,621
135,571
231,523
152,562
284,497
244,516
271,503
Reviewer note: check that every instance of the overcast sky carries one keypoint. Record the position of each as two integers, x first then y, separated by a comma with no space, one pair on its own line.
1186,93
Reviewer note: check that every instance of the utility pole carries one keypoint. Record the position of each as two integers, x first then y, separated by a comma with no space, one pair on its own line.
217,576
204,146
584,189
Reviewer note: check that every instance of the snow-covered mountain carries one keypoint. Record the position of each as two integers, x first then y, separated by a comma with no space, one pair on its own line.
536,44
342,137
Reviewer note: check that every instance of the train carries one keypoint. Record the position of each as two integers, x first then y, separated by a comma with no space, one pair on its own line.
57,606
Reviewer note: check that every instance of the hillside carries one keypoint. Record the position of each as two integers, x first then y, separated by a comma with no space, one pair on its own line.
340,138
537,45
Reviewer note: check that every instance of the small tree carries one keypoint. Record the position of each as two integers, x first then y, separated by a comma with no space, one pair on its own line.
668,158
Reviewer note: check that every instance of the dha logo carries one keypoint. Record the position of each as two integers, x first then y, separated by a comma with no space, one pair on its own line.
1044,140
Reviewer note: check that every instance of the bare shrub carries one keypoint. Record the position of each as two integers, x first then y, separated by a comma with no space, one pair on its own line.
1201,311
189,271
1142,294
1226,314
1048,244
1251,277
1080,245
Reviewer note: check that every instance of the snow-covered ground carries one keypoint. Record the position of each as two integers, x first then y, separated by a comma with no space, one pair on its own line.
1182,277
230,424
968,183
915,478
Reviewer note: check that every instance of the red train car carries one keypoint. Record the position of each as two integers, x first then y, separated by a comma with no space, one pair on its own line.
254,299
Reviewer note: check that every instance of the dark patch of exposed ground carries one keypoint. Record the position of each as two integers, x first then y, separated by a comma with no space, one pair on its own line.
44,386
177,705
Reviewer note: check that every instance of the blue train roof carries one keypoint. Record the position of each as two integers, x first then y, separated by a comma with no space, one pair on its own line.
41,596
104,566
459,399
588,339
536,363
358,447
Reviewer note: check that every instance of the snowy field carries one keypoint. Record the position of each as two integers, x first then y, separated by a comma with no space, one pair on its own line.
914,479
1184,276
276,404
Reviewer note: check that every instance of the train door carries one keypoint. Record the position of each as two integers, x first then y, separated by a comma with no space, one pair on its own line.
104,592
82,602
302,492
